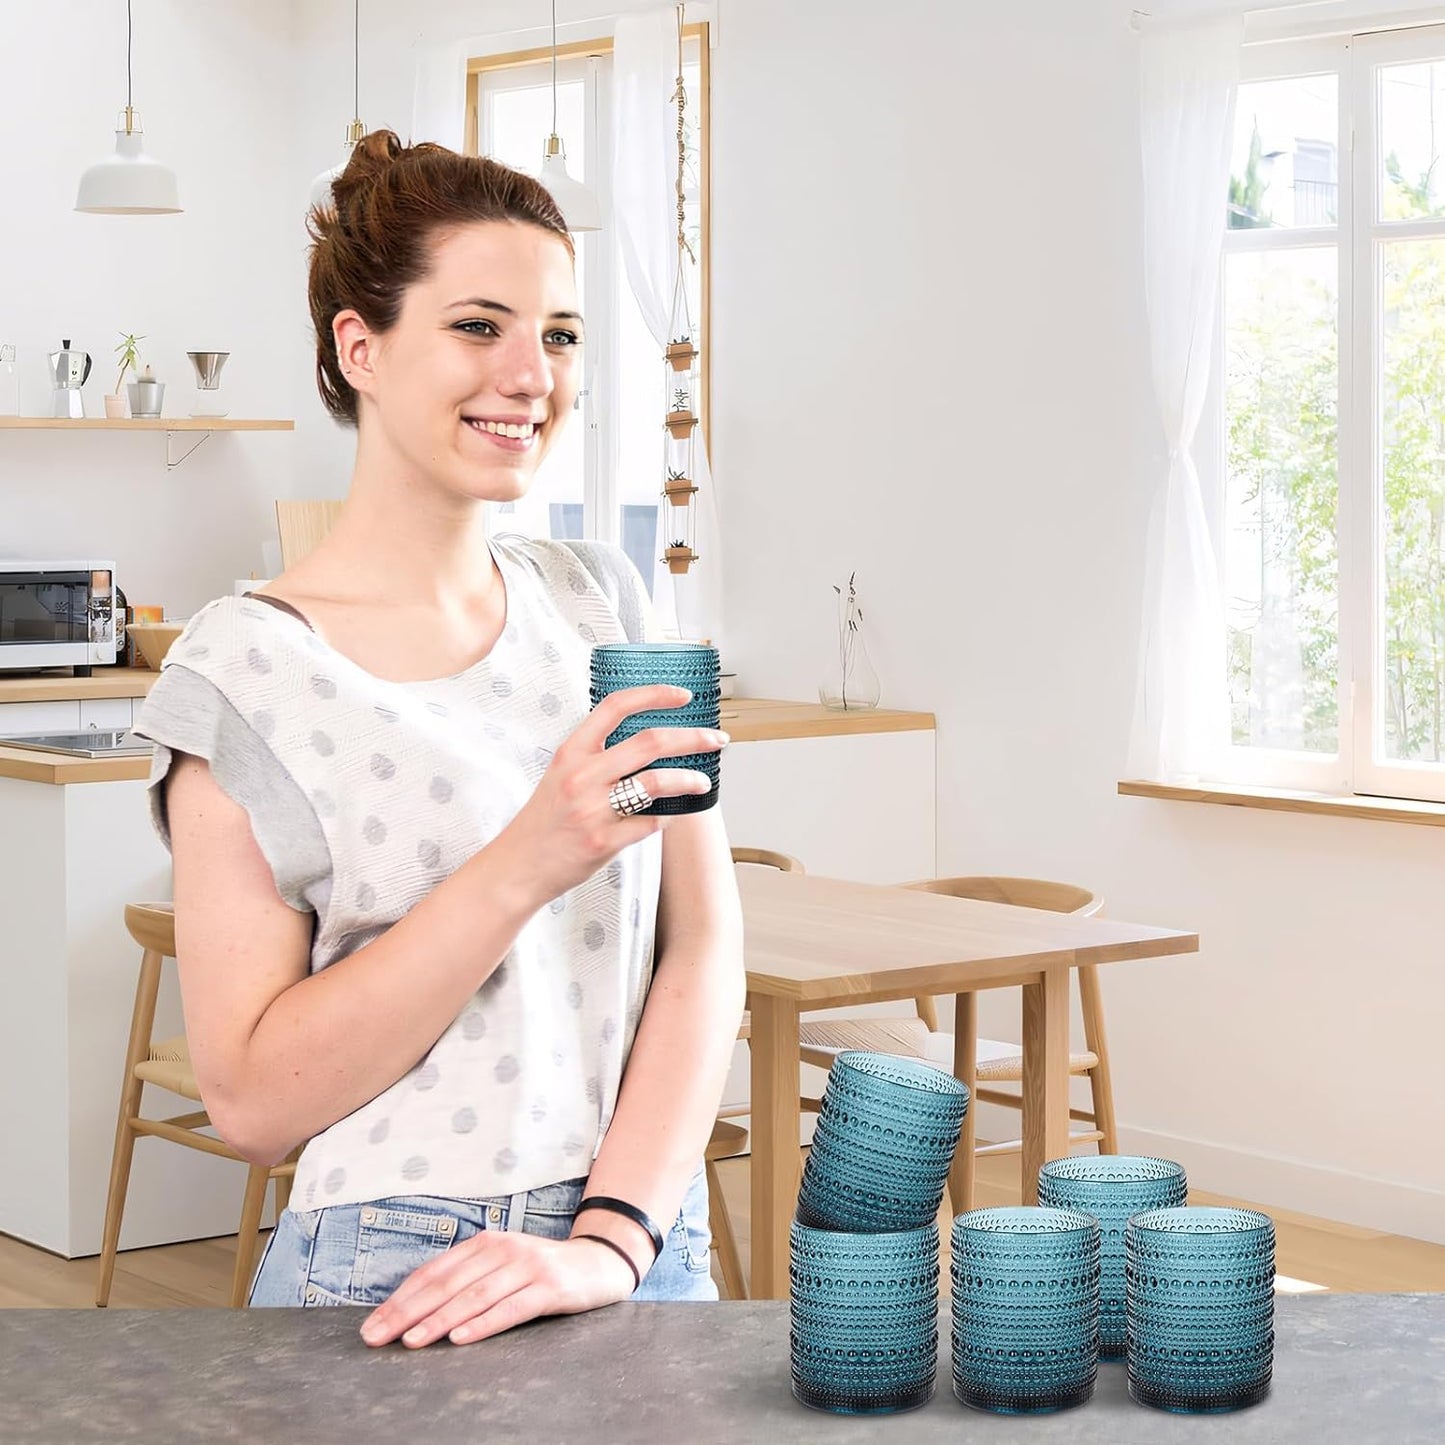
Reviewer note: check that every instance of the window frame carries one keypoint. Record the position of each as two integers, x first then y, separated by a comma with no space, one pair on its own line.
1357,767
601,494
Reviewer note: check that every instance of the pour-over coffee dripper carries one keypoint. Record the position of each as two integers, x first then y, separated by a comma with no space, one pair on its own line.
207,399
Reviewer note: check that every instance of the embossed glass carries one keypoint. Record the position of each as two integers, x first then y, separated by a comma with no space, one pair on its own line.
885,1139
1200,1300
693,665
864,1310
1025,1309
1113,1188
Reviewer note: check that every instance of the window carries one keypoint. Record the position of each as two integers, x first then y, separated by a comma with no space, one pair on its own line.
604,478
1331,400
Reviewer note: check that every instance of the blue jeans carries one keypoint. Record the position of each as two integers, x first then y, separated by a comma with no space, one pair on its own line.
357,1254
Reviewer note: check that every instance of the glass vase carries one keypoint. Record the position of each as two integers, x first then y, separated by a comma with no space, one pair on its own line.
851,682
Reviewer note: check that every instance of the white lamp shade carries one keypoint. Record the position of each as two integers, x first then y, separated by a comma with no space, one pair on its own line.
129,183
321,194
580,208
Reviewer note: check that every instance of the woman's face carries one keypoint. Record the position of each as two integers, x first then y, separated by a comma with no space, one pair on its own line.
476,378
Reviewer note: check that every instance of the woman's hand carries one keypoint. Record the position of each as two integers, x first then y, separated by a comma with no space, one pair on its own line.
568,830
493,1281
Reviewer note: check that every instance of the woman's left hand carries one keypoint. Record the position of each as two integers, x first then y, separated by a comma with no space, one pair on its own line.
493,1281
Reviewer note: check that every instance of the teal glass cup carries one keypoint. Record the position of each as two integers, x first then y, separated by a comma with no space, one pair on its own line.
884,1141
1113,1188
1200,1297
1025,1309
693,665
864,1319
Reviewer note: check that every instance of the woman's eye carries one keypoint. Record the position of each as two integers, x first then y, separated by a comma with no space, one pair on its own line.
561,337
477,326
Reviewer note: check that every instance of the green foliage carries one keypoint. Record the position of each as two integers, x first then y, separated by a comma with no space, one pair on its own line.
1246,193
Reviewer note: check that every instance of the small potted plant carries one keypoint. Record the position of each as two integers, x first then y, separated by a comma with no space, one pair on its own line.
115,401
679,558
678,487
681,353
680,419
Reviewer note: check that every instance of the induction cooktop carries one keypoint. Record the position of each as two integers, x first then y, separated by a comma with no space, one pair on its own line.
92,743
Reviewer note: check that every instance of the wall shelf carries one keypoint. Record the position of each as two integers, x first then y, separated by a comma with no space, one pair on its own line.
170,425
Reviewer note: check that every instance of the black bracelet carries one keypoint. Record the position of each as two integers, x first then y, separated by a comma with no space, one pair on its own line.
627,1211
621,1253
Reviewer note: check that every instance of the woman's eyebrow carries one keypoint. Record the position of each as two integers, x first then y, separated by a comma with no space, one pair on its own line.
507,310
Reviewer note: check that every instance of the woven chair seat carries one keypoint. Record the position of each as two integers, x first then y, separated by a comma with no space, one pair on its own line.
727,1140
169,1067
1009,1067
880,1036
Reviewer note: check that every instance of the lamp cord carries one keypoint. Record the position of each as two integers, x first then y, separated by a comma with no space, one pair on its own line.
127,55
356,61
554,67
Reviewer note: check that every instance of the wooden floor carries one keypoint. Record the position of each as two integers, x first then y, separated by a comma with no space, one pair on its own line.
1310,1253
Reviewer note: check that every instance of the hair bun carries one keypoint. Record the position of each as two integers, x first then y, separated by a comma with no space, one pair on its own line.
371,157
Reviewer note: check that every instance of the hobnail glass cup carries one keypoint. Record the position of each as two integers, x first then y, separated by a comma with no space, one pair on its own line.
884,1141
1113,1188
1025,1309
864,1311
1200,1300
693,665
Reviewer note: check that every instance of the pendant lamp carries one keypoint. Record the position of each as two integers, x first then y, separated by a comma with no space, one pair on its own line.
129,183
321,187
579,206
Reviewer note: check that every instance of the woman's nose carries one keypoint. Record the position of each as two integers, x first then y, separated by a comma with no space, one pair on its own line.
526,370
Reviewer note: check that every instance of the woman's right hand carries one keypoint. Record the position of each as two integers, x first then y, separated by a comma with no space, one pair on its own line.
568,829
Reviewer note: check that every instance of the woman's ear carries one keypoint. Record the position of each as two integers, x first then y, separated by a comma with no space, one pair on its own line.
355,350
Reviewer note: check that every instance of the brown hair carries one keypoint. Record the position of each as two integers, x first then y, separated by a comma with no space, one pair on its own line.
374,240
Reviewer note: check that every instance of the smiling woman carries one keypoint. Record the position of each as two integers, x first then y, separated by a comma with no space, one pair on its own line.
418,931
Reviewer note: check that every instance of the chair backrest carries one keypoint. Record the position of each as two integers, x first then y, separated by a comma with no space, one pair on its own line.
302,524
767,858
1021,892
153,926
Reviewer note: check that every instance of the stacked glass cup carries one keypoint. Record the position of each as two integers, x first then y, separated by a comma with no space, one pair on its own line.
864,1269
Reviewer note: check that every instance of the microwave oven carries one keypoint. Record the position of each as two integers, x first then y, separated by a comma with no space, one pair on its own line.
56,614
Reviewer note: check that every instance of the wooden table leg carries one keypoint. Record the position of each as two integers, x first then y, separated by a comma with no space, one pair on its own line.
776,1119
965,1064
1046,1075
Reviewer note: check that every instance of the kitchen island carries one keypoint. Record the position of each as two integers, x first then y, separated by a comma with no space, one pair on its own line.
1349,1370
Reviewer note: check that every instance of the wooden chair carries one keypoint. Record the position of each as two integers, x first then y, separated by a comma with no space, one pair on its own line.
995,1062
302,524
729,1140
167,1063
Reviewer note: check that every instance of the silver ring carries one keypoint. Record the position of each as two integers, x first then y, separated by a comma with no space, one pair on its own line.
628,797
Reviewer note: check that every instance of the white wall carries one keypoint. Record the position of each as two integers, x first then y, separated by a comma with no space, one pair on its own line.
929,365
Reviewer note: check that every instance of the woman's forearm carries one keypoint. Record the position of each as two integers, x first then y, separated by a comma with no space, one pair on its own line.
673,1083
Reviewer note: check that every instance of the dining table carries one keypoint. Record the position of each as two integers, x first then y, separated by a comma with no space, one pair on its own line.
1349,1369
814,943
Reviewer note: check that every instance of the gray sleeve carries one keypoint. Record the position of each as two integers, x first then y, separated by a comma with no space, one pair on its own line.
187,713
621,583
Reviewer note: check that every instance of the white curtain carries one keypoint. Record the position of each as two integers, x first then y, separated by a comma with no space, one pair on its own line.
644,212
1189,79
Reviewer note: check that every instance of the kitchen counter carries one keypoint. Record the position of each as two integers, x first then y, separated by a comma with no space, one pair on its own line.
746,719
1348,1368
103,682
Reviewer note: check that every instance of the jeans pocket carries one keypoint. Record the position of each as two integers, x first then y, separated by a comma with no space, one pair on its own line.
363,1252
690,1233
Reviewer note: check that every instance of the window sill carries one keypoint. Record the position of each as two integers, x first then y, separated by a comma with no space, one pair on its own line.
1285,800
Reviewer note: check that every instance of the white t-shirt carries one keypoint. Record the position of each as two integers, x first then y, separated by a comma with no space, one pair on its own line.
363,795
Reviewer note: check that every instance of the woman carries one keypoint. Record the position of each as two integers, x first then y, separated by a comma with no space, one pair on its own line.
416,921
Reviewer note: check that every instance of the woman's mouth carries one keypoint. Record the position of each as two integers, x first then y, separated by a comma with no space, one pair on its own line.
510,436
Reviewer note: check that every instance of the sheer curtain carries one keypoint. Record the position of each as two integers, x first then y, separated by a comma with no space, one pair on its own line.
1189,77
644,212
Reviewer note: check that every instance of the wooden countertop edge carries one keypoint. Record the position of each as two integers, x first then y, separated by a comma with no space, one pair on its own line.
29,767
112,682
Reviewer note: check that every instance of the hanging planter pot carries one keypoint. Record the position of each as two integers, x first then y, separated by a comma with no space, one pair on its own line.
680,423
678,489
679,558
681,354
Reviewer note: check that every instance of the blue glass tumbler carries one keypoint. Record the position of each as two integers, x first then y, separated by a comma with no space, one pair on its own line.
885,1139
1025,1309
864,1311
1113,1188
693,665
1200,1290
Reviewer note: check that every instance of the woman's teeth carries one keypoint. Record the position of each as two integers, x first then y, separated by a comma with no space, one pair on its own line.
504,428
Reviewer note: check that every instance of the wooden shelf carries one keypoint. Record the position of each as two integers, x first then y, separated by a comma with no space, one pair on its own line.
141,423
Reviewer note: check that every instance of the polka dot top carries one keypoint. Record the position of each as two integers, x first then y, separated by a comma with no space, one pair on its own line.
363,795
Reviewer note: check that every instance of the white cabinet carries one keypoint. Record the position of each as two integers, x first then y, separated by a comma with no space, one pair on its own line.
105,712
40,717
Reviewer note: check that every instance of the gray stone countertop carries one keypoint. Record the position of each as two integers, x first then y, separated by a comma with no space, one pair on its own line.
1352,1369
